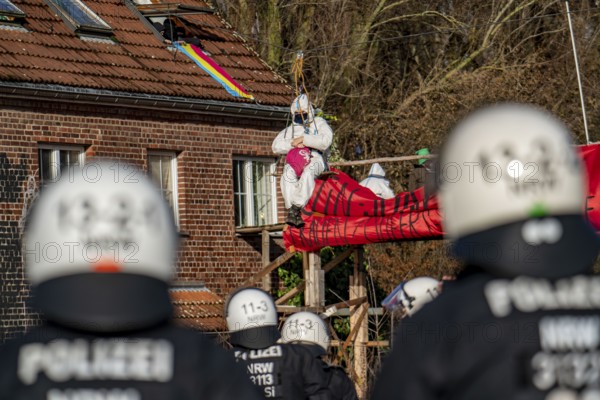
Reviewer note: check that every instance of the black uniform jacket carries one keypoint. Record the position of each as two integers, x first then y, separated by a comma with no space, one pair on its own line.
285,371
487,337
342,388
165,362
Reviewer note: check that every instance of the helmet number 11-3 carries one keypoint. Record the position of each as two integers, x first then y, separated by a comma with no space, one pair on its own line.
251,308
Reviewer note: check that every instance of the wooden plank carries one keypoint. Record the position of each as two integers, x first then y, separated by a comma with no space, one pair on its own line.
259,229
357,327
328,267
275,264
266,259
370,343
349,303
315,281
379,160
298,289
295,309
338,259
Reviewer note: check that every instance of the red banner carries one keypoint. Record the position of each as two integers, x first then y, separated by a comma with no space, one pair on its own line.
341,212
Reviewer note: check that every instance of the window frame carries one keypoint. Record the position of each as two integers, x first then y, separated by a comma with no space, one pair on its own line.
12,15
249,191
55,159
101,28
175,180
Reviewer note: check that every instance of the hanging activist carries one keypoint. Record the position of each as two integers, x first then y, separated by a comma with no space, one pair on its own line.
305,143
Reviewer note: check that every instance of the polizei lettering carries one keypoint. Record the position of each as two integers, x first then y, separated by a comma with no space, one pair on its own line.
103,359
94,394
533,294
273,351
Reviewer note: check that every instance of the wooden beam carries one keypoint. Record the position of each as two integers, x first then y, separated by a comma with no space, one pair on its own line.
328,267
314,292
370,343
259,229
275,264
357,327
380,160
266,259
291,293
338,259
348,303
293,309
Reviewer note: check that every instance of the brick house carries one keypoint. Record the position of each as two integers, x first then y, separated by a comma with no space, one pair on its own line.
96,78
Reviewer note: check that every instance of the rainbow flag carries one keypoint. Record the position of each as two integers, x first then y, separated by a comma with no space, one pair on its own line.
217,73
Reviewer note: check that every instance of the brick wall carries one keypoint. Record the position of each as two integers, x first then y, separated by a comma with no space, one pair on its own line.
211,252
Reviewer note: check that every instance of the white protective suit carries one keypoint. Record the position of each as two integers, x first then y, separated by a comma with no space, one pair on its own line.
377,183
318,137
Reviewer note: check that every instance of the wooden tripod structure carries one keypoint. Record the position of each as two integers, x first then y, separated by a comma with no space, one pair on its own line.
354,348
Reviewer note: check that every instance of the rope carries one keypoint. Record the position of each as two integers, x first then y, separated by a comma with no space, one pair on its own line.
298,74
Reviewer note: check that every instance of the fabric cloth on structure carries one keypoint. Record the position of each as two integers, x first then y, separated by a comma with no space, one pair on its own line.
487,337
297,191
377,183
298,158
164,362
285,371
318,136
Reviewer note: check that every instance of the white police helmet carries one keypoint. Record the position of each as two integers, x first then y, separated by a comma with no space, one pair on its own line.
306,327
100,247
251,317
512,193
417,292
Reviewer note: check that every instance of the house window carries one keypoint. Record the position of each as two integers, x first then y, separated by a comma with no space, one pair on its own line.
55,159
10,13
162,168
254,192
81,17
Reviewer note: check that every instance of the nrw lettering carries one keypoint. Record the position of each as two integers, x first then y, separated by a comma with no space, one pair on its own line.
104,359
569,333
261,368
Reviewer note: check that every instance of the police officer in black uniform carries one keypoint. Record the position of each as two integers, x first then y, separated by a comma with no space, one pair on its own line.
280,370
99,250
309,330
523,319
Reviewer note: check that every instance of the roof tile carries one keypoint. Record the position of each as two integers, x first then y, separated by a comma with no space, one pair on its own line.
199,309
137,61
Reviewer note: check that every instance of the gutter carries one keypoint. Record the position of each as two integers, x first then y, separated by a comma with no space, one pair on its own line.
141,101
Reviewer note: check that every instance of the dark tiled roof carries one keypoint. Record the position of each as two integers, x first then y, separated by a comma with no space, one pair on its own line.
49,52
198,308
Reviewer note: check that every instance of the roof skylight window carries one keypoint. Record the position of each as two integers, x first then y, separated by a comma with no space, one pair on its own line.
81,17
9,12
